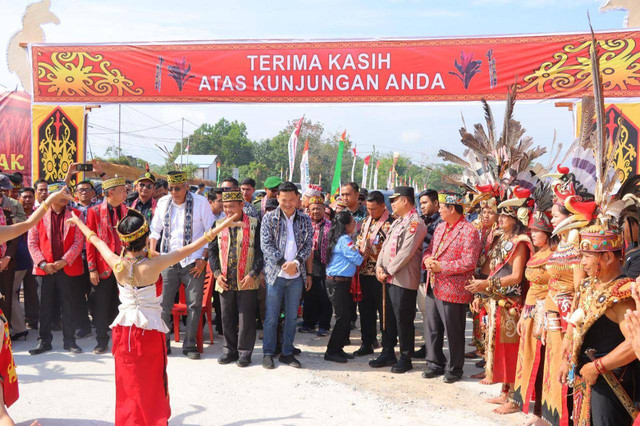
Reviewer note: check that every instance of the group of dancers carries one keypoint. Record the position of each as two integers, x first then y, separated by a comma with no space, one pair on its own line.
554,311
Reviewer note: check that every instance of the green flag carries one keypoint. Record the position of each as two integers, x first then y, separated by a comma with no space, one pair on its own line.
337,172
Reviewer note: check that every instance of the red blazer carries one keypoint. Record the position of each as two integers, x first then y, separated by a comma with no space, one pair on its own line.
99,223
39,243
458,256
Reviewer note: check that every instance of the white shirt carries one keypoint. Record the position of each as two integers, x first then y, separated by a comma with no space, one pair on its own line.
202,221
290,249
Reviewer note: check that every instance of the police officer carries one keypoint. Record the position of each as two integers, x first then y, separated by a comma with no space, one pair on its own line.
398,268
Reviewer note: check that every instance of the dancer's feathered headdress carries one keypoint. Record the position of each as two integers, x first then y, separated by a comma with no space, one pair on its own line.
492,165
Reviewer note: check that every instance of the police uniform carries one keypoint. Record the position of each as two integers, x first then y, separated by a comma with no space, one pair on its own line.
400,258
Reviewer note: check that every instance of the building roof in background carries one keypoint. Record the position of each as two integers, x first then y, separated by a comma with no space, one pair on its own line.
202,161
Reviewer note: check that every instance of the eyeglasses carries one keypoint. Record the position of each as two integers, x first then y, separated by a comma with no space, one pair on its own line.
175,188
146,185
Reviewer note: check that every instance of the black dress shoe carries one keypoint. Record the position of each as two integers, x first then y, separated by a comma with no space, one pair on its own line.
19,336
346,355
402,366
193,355
289,360
451,378
296,351
267,362
228,359
364,350
385,359
81,334
74,349
100,349
420,353
186,350
243,362
430,373
376,344
41,348
335,357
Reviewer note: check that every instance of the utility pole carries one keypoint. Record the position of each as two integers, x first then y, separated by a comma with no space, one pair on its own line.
181,139
119,117
188,147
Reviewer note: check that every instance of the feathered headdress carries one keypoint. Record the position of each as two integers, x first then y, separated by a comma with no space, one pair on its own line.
519,206
607,178
543,201
491,164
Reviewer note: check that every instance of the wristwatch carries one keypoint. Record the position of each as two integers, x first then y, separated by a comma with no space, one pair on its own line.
42,264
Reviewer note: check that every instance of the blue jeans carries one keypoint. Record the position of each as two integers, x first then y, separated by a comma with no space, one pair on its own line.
291,291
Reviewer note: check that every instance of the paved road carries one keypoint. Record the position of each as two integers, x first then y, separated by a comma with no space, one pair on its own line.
63,389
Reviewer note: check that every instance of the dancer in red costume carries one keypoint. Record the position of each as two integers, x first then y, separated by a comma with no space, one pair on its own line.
142,394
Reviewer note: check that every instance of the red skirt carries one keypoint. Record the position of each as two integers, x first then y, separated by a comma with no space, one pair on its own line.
502,344
8,374
142,392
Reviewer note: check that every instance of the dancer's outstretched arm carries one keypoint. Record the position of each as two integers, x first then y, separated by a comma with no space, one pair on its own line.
153,267
10,232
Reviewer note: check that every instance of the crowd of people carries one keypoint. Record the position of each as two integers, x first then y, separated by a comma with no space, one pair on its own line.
544,267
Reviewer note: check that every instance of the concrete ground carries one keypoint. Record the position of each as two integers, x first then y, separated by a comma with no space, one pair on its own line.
59,388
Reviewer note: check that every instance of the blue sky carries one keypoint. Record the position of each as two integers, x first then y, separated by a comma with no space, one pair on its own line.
418,130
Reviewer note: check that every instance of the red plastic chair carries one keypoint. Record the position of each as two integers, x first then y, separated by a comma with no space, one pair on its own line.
180,309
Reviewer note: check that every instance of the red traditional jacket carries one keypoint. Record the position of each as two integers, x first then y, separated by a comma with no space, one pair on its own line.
457,249
39,243
98,221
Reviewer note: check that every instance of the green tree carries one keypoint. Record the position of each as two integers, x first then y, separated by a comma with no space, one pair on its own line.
228,140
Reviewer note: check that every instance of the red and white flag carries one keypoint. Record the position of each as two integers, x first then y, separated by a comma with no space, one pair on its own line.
353,167
293,145
305,177
375,175
365,170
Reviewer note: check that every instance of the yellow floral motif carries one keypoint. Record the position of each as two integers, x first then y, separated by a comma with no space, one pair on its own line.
12,376
625,153
57,154
571,68
81,74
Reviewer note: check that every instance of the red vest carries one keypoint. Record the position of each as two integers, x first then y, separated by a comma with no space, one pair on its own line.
75,268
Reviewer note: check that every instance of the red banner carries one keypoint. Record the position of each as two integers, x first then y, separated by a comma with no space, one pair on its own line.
544,66
15,134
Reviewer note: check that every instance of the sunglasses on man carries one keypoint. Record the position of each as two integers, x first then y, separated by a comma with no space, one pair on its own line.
175,188
146,185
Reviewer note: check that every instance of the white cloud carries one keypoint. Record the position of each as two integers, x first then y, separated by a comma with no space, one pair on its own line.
411,136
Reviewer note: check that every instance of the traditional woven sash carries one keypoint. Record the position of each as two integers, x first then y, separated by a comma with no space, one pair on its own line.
374,230
188,223
396,234
149,213
321,227
244,247
107,227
